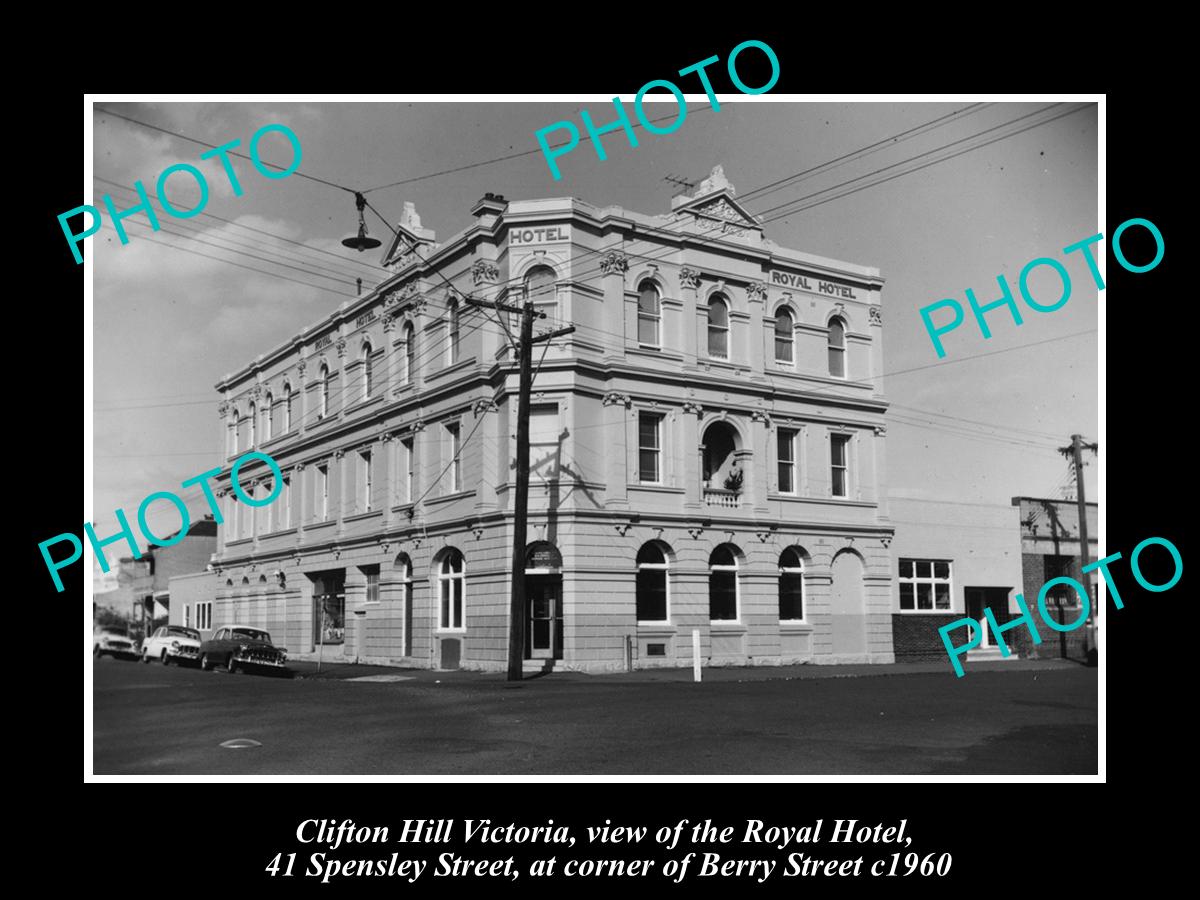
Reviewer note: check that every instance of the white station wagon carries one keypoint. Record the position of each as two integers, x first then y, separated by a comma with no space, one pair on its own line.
172,644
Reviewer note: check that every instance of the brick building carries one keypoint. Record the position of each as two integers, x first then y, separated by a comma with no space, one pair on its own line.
1050,549
707,450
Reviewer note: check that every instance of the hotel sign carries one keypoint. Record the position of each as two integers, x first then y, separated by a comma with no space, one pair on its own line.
542,235
823,287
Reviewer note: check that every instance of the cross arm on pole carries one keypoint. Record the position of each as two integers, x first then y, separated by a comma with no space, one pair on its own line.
551,335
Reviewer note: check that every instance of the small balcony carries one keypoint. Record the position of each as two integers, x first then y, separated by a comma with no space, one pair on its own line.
722,497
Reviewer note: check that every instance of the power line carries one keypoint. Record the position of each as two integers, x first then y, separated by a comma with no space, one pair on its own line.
950,362
184,137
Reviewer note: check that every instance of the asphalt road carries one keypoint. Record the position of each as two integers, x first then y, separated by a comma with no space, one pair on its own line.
151,720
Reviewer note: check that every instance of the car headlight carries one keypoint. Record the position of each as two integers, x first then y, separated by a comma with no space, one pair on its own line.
242,648
174,645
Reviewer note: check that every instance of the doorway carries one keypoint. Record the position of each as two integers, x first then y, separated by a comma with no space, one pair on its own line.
329,607
543,602
980,598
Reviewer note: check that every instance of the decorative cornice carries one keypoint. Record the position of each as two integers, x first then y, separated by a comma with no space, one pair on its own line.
695,531
614,263
759,416
341,347
389,322
694,409
615,398
689,277
875,315
886,541
880,430
484,272
223,408
299,467
757,289
339,453
623,528
417,426
301,366
484,405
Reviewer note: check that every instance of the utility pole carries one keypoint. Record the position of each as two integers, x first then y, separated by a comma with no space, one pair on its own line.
516,606
1076,452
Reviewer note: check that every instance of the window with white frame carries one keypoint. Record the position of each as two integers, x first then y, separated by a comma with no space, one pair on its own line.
649,316
791,585
372,575
251,419
204,616
785,337
452,332
453,452
323,408
839,462
543,442
540,290
650,448
450,580
837,348
268,412
410,350
785,446
365,355
285,504
653,591
718,327
287,407
364,480
924,585
321,495
723,584
233,433
407,460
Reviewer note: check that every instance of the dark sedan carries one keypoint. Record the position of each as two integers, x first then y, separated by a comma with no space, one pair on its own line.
240,647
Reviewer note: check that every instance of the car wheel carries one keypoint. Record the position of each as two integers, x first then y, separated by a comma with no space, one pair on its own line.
145,658
166,660
231,665
204,664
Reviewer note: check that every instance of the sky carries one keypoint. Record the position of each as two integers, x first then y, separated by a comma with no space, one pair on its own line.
980,425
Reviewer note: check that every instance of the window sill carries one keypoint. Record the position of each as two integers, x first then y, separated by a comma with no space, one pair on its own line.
929,612
653,488
656,629
794,626
450,631
362,404
238,541
447,498
359,517
446,371
727,626
323,523
280,533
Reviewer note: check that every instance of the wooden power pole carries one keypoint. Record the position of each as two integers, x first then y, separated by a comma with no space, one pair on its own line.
1076,451
516,606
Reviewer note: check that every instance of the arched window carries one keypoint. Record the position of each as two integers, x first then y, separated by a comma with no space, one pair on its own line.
268,411
323,409
402,574
791,585
410,350
251,419
450,590
837,348
539,289
649,316
718,327
245,581
653,593
233,432
452,332
365,355
723,584
785,337
287,407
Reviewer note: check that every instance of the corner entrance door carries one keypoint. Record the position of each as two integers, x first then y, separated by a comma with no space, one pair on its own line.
543,621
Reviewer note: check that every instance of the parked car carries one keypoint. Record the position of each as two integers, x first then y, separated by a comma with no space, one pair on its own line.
113,641
172,644
240,647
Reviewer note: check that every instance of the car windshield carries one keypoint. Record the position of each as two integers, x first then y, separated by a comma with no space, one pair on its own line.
184,632
252,633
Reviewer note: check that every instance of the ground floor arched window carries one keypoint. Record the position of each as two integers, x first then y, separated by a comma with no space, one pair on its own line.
653,594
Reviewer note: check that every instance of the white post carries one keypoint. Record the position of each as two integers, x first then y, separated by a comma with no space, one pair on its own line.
696,654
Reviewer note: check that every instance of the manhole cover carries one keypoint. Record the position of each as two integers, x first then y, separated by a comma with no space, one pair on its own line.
383,678
239,744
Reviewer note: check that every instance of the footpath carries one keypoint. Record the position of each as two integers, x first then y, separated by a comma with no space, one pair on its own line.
307,669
